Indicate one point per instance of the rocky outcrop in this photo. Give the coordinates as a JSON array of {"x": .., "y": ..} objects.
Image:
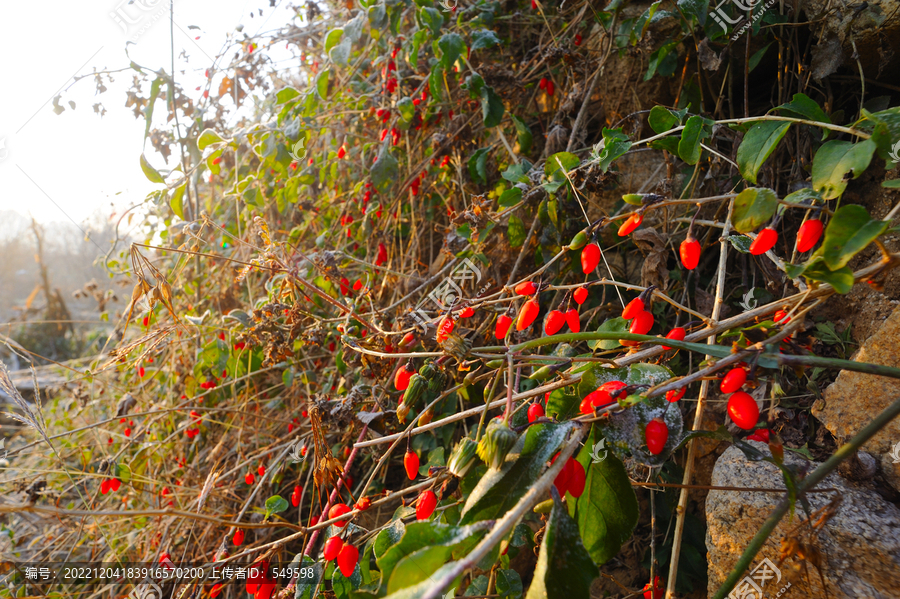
[{"x": 859, "y": 546}]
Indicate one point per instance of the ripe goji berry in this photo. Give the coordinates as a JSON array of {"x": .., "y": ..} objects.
[
  {"x": 689, "y": 250},
  {"x": 764, "y": 242},
  {"x": 590, "y": 257},
  {"x": 411, "y": 464},
  {"x": 503, "y": 322},
  {"x": 535, "y": 411},
  {"x": 425, "y": 504},
  {"x": 809, "y": 234},
  {"x": 527, "y": 314},
  {"x": 733, "y": 381},
  {"x": 554, "y": 321},
  {"x": 743, "y": 410},
  {"x": 657, "y": 433},
  {"x": 347, "y": 559},
  {"x": 580, "y": 295}
]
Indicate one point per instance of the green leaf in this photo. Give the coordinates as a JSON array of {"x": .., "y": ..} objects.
[
  {"x": 615, "y": 144},
  {"x": 561, "y": 160},
  {"x": 740, "y": 242},
  {"x": 176, "y": 202},
  {"x": 662, "y": 60},
  {"x": 802, "y": 195},
  {"x": 662, "y": 119},
  {"x": 275, "y": 505},
  {"x": 758, "y": 144},
  {"x": 433, "y": 19},
  {"x": 757, "y": 56},
  {"x": 841, "y": 279},
  {"x": 510, "y": 197},
  {"x": 286, "y": 95},
  {"x": 377, "y": 15},
  {"x": 886, "y": 132},
  {"x": 804, "y": 107},
  {"x": 515, "y": 231},
  {"x": 148, "y": 112},
  {"x": 322, "y": 83},
  {"x": 478, "y": 165},
  {"x": 435, "y": 81},
  {"x": 837, "y": 159},
  {"x": 607, "y": 511},
  {"x": 849, "y": 232},
  {"x": 613, "y": 325},
  {"x": 694, "y": 8},
  {"x": 340, "y": 54},
  {"x": 562, "y": 405},
  {"x": 564, "y": 568},
  {"x": 892, "y": 184},
  {"x": 484, "y": 38},
  {"x": 499, "y": 490},
  {"x": 523, "y": 134},
  {"x": 753, "y": 207},
  {"x": 407, "y": 109},
  {"x": 385, "y": 170},
  {"x": 695, "y": 131},
  {"x": 509, "y": 584},
  {"x": 625, "y": 430},
  {"x": 451, "y": 45},
  {"x": 151, "y": 173},
  {"x": 517, "y": 173},
  {"x": 491, "y": 107},
  {"x": 333, "y": 39}
]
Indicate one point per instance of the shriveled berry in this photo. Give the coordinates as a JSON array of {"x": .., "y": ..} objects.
[
  {"x": 689, "y": 250},
  {"x": 238, "y": 537},
  {"x": 337, "y": 511},
  {"x": 764, "y": 242},
  {"x": 631, "y": 223},
  {"x": 809, "y": 234},
  {"x": 554, "y": 322},
  {"x": 411, "y": 464},
  {"x": 332, "y": 548},
  {"x": 733, "y": 381},
  {"x": 634, "y": 307},
  {"x": 580, "y": 295},
  {"x": 347, "y": 559},
  {"x": 642, "y": 323},
  {"x": 527, "y": 314},
  {"x": 526, "y": 288},
  {"x": 425, "y": 504},
  {"x": 676, "y": 334},
  {"x": 657, "y": 434},
  {"x": 573, "y": 319},
  {"x": 401, "y": 379},
  {"x": 535, "y": 411},
  {"x": 743, "y": 410},
  {"x": 590, "y": 258}
]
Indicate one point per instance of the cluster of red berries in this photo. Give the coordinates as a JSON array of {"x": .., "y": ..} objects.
[
  {"x": 109, "y": 485},
  {"x": 381, "y": 257},
  {"x": 295, "y": 496},
  {"x": 742, "y": 407},
  {"x": 547, "y": 85},
  {"x": 346, "y": 554},
  {"x": 390, "y": 83},
  {"x": 128, "y": 428},
  {"x": 641, "y": 319}
]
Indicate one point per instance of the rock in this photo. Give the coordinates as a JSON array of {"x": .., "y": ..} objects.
[
  {"x": 859, "y": 546},
  {"x": 855, "y": 398}
]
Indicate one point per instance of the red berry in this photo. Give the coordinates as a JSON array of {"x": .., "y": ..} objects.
[
  {"x": 503, "y": 322},
  {"x": 634, "y": 307},
  {"x": 104, "y": 486},
  {"x": 733, "y": 381},
  {"x": 345, "y": 286},
  {"x": 809, "y": 234},
  {"x": 781, "y": 315},
  {"x": 577, "y": 39},
  {"x": 347, "y": 559},
  {"x": 590, "y": 257},
  {"x": 527, "y": 314},
  {"x": 743, "y": 410},
  {"x": 411, "y": 464},
  {"x": 690, "y": 253},
  {"x": 631, "y": 223},
  {"x": 554, "y": 322},
  {"x": 127, "y": 432},
  {"x": 114, "y": 484},
  {"x": 573, "y": 320},
  {"x": 602, "y": 396},
  {"x": 580, "y": 295},
  {"x": 425, "y": 504},
  {"x": 249, "y": 478},
  {"x": 337, "y": 511},
  {"x": 295, "y": 496},
  {"x": 562, "y": 479},
  {"x": 467, "y": 312},
  {"x": 677, "y": 334},
  {"x": 543, "y": 82},
  {"x": 363, "y": 504},
  {"x": 675, "y": 394},
  {"x": 535, "y": 411},
  {"x": 642, "y": 323},
  {"x": 332, "y": 548},
  {"x": 401, "y": 379},
  {"x": 141, "y": 372},
  {"x": 341, "y": 152},
  {"x": 261, "y": 470},
  {"x": 657, "y": 592},
  {"x": 657, "y": 434},
  {"x": 761, "y": 434},
  {"x": 382, "y": 255},
  {"x": 764, "y": 242},
  {"x": 238, "y": 537},
  {"x": 577, "y": 477},
  {"x": 551, "y": 87},
  {"x": 526, "y": 288},
  {"x": 586, "y": 407},
  {"x": 444, "y": 329}
]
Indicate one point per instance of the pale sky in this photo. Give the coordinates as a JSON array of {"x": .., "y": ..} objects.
[{"x": 81, "y": 161}]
